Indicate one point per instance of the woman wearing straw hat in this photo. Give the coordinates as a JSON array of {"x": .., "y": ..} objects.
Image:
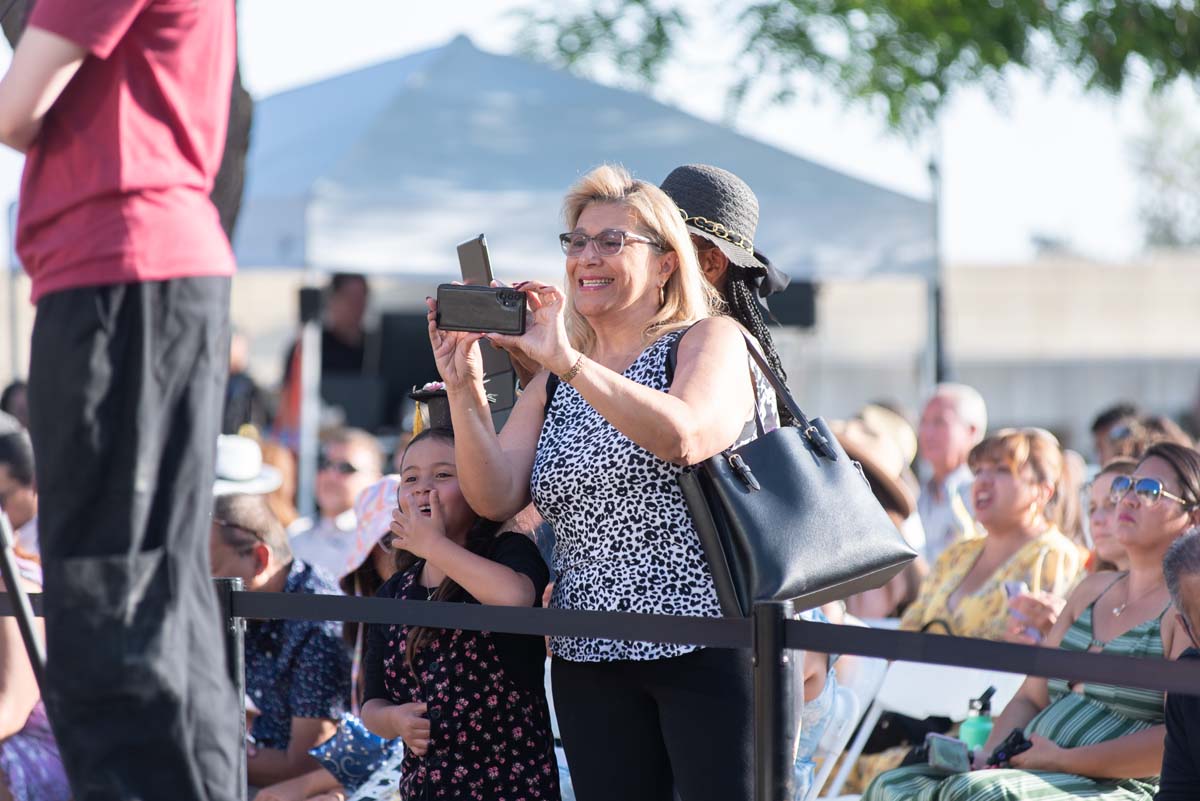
[{"x": 721, "y": 214}]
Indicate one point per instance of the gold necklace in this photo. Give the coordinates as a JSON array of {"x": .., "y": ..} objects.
[{"x": 1117, "y": 610}]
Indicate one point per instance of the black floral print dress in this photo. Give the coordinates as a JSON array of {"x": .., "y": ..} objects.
[{"x": 490, "y": 737}]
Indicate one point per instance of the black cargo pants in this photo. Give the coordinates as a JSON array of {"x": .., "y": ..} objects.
[{"x": 125, "y": 393}]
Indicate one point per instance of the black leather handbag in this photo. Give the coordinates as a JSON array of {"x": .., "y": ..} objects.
[{"x": 789, "y": 516}]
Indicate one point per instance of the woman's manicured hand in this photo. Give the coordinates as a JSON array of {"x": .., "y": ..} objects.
[
  {"x": 456, "y": 353},
  {"x": 545, "y": 339}
]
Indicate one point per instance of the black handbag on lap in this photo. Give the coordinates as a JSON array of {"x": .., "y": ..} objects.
[{"x": 789, "y": 516}]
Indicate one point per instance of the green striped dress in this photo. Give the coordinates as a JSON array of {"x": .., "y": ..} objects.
[{"x": 1101, "y": 712}]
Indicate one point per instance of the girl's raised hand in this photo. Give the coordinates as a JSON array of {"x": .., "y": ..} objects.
[
  {"x": 456, "y": 353},
  {"x": 415, "y": 531}
]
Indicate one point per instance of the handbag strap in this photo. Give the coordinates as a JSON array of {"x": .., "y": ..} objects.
[
  {"x": 551, "y": 387},
  {"x": 811, "y": 432},
  {"x": 673, "y": 358}
]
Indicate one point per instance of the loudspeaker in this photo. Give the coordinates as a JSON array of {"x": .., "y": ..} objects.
[
  {"x": 405, "y": 359},
  {"x": 406, "y": 362},
  {"x": 796, "y": 305}
]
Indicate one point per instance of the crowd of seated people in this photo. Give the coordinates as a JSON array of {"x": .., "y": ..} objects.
[
  {"x": 327, "y": 716},
  {"x": 1016, "y": 542},
  {"x": 322, "y": 721}
]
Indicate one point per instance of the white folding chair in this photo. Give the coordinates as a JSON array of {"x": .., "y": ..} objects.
[
  {"x": 921, "y": 691},
  {"x": 846, "y": 710},
  {"x": 866, "y": 682}
]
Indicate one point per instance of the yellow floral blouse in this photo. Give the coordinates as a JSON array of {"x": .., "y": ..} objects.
[{"x": 1049, "y": 563}]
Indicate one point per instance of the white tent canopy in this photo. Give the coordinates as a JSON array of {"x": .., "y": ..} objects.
[{"x": 385, "y": 169}]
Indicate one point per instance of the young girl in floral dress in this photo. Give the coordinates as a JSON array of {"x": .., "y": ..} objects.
[{"x": 469, "y": 706}]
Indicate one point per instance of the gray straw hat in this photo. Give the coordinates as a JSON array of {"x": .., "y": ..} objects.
[{"x": 720, "y": 207}]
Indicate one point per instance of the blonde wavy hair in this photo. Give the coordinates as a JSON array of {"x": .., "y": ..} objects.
[{"x": 687, "y": 296}]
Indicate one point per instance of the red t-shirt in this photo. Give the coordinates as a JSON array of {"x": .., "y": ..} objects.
[{"x": 116, "y": 184}]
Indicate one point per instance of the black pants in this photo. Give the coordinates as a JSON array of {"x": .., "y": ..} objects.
[
  {"x": 637, "y": 730},
  {"x": 125, "y": 394}
]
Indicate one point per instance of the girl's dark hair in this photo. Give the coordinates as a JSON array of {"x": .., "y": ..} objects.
[
  {"x": 1185, "y": 463},
  {"x": 480, "y": 537},
  {"x": 364, "y": 582},
  {"x": 743, "y": 307}
]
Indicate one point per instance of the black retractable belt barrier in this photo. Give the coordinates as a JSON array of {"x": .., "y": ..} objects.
[
  {"x": 1029, "y": 660},
  {"x": 1128, "y": 671},
  {"x": 768, "y": 633},
  {"x": 707, "y": 631},
  {"x": 8, "y": 607}
]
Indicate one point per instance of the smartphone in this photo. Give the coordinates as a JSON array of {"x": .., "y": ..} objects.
[
  {"x": 476, "y": 268},
  {"x": 481, "y": 309},
  {"x": 474, "y": 262},
  {"x": 1015, "y": 743},
  {"x": 947, "y": 754}
]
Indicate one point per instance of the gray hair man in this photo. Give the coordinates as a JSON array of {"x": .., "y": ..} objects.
[
  {"x": 1181, "y": 758},
  {"x": 953, "y": 422}
]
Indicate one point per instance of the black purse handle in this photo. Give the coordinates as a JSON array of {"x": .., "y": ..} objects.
[{"x": 811, "y": 432}]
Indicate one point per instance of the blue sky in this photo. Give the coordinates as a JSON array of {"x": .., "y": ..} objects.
[{"x": 1050, "y": 161}]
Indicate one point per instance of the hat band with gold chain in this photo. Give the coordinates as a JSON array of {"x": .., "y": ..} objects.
[{"x": 719, "y": 230}]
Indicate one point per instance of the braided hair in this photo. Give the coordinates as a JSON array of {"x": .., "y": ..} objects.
[{"x": 742, "y": 306}]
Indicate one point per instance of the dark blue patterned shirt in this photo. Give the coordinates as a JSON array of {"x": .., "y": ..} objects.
[{"x": 296, "y": 668}]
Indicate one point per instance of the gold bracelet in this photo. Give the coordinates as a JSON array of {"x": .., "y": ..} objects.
[{"x": 574, "y": 371}]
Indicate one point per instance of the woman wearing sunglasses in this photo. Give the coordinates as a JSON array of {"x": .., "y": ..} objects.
[
  {"x": 597, "y": 441},
  {"x": 1090, "y": 740},
  {"x": 1032, "y": 614}
]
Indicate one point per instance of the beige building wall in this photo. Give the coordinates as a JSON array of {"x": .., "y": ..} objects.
[{"x": 1048, "y": 342}]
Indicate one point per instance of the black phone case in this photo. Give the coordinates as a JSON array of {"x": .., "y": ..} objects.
[{"x": 480, "y": 309}]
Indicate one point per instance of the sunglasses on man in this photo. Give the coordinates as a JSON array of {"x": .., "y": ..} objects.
[
  {"x": 325, "y": 463},
  {"x": 1148, "y": 490}
]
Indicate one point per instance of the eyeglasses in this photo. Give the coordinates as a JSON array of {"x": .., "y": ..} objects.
[
  {"x": 345, "y": 468},
  {"x": 1148, "y": 490},
  {"x": 609, "y": 242}
]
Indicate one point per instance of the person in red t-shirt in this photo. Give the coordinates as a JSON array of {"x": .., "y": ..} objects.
[{"x": 121, "y": 108}]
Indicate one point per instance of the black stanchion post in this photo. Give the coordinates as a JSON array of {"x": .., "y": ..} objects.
[
  {"x": 234, "y": 631},
  {"x": 774, "y": 704}
]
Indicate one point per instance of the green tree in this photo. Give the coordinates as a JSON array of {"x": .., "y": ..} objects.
[
  {"x": 1166, "y": 159},
  {"x": 908, "y": 55}
]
